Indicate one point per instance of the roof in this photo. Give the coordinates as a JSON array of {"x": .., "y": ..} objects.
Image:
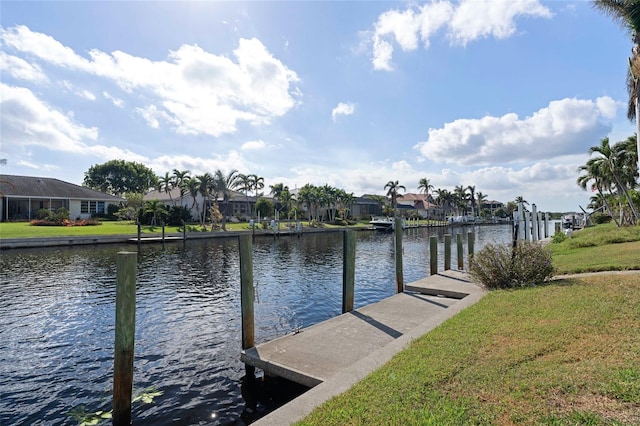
[
  {"x": 412, "y": 197},
  {"x": 42, "y": 187}
]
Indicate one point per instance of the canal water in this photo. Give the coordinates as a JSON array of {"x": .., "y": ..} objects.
[{"x": 57, "y": 316}]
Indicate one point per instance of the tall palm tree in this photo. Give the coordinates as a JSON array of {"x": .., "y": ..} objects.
[
  {"x": 424, "y": 185},
  {"x": 520, "y": 199},
  {"x": 393, "y": 187},
  {"x": 225, "y": 184},
  {"x": 461, "y": 197},
  {"x": 480, "y": 198},
  {"x": 596, "y": 174},
  {"x": 472, "y": 198},
  {"x": 244, "y": 185},
  {"x": 179, "y": 179},
  {"x": 627, "y": 13},
  {"x": 614, "y": 166},
  {"x": 165, "y": 184},
  {"x": 205, "y": 186}
]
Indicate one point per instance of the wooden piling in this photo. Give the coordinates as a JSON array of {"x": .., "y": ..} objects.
[
  {"x": 126, "y": 266},
  {"x": 433, "y": 255},
  {"x": 459, "y": 251},
  {"x": 348, "y": 270},
  {"x": 398, "y": 247},
  {"x": 447, "y": 252},
  {"x": 471, "y": 239},
  {"x": 246, "y": 290}
]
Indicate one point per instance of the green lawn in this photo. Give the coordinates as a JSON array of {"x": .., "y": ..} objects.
[
  {"x": 565, "y": 353},
  {"x": 599, "y": 248},
  {"x": 560, "y": 354}
]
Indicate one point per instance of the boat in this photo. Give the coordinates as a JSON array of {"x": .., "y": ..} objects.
[{"x": 382, "y": 223}]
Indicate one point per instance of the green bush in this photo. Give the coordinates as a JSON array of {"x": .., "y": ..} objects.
[
  {"x": 558, "y": 237},
  {"x": 599, "y": 218},
  {"x": 501, "y": 266},
  {"x": 44, "y": 214}
]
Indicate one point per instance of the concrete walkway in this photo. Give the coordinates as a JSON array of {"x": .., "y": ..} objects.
[{"x": 334, "y": 355}]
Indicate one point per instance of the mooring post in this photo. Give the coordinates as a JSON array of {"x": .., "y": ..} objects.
[
  {"x": 246, "y": 290},
  {"x": 184, "y": 233},
  {"x": 546, "y": 224},
  {"x": 527, "y": 226},
  {"x": 459, "y": 251},
  {"x": 126, "y": 269},
  {"x": 447, "y": 252},
  {"x": 433, "y": 255},
  {"x": 398, "y": 246},
  {"x": 348, "y": 270},
  {"x": 471, "y": 239},
  {"x": 139, "y": 232},
  {"x": 534, "y": 223}
]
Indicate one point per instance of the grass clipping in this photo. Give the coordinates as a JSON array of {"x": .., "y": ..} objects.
[{"x": 566, "y": 353}]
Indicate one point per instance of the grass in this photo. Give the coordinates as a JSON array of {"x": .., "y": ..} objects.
[
  {"x": 598, "y": 248},
  {"x": 561, "y": 354},
  {"x": 566, "y": 353}
]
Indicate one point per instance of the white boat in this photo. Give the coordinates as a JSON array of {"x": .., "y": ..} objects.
[{"x": 382, "y": 223}]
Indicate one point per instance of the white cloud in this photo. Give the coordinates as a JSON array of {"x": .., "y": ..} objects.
[
  {"x": 342, "y": 109},
  {"x": 565, "y": 127},
  {"x": 87, "y": 95},
  {"x": 197, "y": 92},
  {"x": 253, "y": 145},
  {"x": 27, "y": 121},
  {"x": 116, "y": 101},
  {"x": 21, "y": 69},
  {"x": 465, "y": 21},
  {"x": 474, "y": 19}
]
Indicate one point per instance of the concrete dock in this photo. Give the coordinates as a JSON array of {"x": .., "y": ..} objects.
[{"x": 333, "y": 355}]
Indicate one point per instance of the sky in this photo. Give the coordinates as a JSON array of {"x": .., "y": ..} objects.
[{"x": 503, "y": 95}]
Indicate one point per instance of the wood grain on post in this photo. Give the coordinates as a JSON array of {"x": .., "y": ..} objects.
[
  {"x": 447, "y": 252},
  {"x": 246, "y": 291},
  {"x": 460, "y": 253},
  {"x": 126, "y": 265},
  {"x": 398, "y": 246},
  {"x": 348, "y": 270},
  {"x": 433, "y": 254}
]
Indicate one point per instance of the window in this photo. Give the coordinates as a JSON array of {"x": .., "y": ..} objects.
[{"x": 91, "y": 207}]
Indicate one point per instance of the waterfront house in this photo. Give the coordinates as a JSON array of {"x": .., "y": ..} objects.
[
  {"x": 425, "y": 208},
  {"x": 22, "y": 196}
]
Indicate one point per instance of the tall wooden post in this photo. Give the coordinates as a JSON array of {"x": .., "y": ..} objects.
[
  {"x": 534, "y": 223},
  {"x": 459, "y": 251},
  {"x": 433, "y": 255},
  {"x": 471, "y": 239},
  {"x": 246, "y": 291},
  {"x": 447, "y": 252},
  {"x": 348, "y": 270},
  {"x": 126, "y": 266},
  {"x": 398, "y": 246}
]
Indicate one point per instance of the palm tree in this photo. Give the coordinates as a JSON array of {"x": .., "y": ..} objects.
[
  {"x": 424, "y": 185},
  {"x": 480, "y": 198},
  {"x": 179, "y": 179},
  {"x": 520, "y": 199},
  {"x": 393, "y": 187},
  {"x": 594, "y": 172},
  {"x": 472, "y": 198},
  {"x": 627, "y": 13},
  {"x": 276, "y": 189},
  {"x": 205, "y": 188},
  {"x": 156, "y": 208},
  {"x": 460, "y": 198},
  {"x": 165, "y": 184},
  {"x": 225, "y": 184},
  {"x": 244, "y": 185},
  {"x": 192, "y": 186},
  {"x": 614, "y": 161}
]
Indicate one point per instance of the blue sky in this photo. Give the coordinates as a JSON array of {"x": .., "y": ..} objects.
[{"x": 506, "y": 96}]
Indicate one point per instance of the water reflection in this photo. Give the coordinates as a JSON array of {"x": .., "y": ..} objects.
[{"x": 57, "y": 318}]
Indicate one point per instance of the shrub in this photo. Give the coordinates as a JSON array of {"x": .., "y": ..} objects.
[
  {"x": 558, "y": 237},
  {"x": 599, "y": 218},
  {"x": 44, "y": 214},
  {"x": 501, "y": 266}
]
